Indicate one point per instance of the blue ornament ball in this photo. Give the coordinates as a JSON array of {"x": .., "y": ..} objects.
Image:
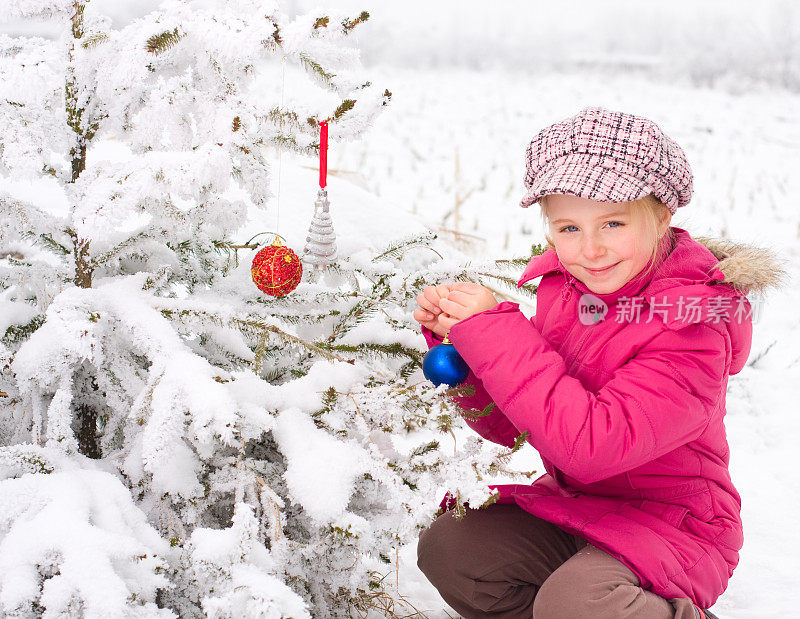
[{"x": 443, "y": 364}]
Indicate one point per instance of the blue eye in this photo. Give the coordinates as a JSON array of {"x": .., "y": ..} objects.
[{"x": 619, "y": 224}]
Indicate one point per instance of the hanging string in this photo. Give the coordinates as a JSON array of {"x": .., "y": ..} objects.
[
  {"x": 323, "y": 154},
  {"x": 280, "y": 153}
]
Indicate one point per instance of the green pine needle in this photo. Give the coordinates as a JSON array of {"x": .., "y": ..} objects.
[
  {"x": 349, "y": 24},
  {"x": 47, "y": 242},
  {"x": 93, "y": 40},
  {"x": 396, "y": 249},
  {"x": 17, "y": 333},
  {"x": 421, "y": 450},
  {"x": 159, "y": 43},
  {"x": 473, "y": 414},
  {"x": 287, "y": 142},
  {"x": 344, "y": 107},
  {"x": 312, "y": 66},
  {"x": 521, "y": 440},
  {"x": 491, "y": 500}
]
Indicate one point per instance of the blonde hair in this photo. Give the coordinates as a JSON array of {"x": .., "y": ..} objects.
[{"x": 647, "y": 212}]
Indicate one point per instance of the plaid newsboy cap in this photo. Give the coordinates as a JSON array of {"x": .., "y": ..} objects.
[{"x": 607, "y": 156}]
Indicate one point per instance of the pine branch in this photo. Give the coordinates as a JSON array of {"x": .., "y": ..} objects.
[
  {"x": 30, "y": 222},
  {"x": 329, "y": 399},
  {"x": 289, "y": 143},
  {"x": 491, "y": 500},
  {"x": 17, "y": 333},
  {"x": 521, "y": 440},
  {"x": 357, "y": 314},
  {"x": 465, "y": 390},
  {"x": 460, "y": 509},
  {"x": 511, "y": 284},
  {"x": 313, "y": 67},
  {"x": 260, "y": 353},
  {"x": 275, "y": 41},
  {"x": 349, "y": 24},
  {"x": 230, "y": 87},
  {"x": 421, "y": 450},
  {"x": 120, "y": 247},
  {"x": 512, "y": 263},
  {"x": 398, "y": 246},
  {"x": 473, "y": 414},
  {"x": 26, "y": 459},
  {"x": 94, "y": 40},
  {"x": 159, "y": 43},
  {"x": 502, "y": 459},
  {"x": 141, "y": 412},
  {"x": 408, "y": 369},
  {"x": 46, "y": 276},
  {"x": 387, "y": 350},
  {"x": 344, "y": 107},
  {"x": 77, "y": 19},
  {"x": 222, "y": 358},
  {"x": 46, "y": 241},
  {"x": 536, "y": 250},
  {"x": 296, "y": 319},
  {"x": 283, "y": 118},
  {"x": 257, "y": 326}
]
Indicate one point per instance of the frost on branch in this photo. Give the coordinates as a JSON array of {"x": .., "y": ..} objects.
[
  {"x": 236, "y": 574},
  {"x": 73, "y": 542}
]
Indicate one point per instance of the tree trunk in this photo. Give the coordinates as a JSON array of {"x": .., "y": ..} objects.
[
  {"x": 85, "y": 385},
  {"x": 88, "y": 403},
  {"x": 83, "y": 265},
  {"x": 88, "y": 444}
]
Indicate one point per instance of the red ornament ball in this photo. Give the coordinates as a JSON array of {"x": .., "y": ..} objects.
[{"x": 276, "y": 269}]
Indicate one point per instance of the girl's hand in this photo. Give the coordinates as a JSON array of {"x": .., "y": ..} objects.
[
  {"x": 446, "y": 305},
  {"x": 464, "y": 300},
  {"x": 430, "y": 314}
]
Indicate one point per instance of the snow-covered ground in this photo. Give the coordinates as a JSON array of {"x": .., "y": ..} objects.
[{"x": 459, "y": 135}]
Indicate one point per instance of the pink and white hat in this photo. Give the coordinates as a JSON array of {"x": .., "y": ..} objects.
[{"x": 607, "y": 156}]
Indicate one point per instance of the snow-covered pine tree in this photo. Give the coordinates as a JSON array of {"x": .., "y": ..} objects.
[{"x": 171, "y": 441}]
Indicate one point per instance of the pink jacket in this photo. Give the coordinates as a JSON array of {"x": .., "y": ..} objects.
[{"x": 627, "y": 415}]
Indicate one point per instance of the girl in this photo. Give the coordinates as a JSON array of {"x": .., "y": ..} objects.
[{"x": 620, "y": 381}]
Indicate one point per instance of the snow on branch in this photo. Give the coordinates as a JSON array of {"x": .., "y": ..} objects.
[
  {"x": 238, "y": 575},
  {"x": 74, "y": 543},
  {"x": 23, "y": 219},
  {"x": 10, "y": 9}
]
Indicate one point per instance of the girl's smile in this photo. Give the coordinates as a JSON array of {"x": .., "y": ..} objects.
[{"x": 601, "y": 272}]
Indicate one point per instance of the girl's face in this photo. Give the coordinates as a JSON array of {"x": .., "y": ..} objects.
[{"x": 597, "y": 242}]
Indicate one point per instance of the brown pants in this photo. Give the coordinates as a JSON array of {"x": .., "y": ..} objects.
[{"x": 502, "y": 561}]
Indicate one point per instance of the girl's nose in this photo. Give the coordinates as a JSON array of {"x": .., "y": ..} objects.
[{"x": 592, "y": 248}]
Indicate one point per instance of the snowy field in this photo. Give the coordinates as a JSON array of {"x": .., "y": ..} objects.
[{"x": 459, "y": 136}]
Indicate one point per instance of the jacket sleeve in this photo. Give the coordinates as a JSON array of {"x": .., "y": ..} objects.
[
  {"x": 659, "y": 399},
  {"x": 495, "y": 426}
]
